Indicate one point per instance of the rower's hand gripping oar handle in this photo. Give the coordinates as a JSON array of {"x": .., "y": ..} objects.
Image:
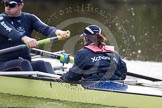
[
  {"x": 23, "y": 46},
  {"x": 52, "y": 39}
]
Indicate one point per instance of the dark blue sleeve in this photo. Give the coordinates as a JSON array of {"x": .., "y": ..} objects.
[
  {"x": 75, "y": 73},
  {"x": 121, "y": 67},
  {"x": 41, "y": 27},
  {"x": 7, "y": 30}
]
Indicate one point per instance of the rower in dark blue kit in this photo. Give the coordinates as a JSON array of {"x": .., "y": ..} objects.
[
  {"x": 96, "y": 60},
  {"x": 15, "y": 29}
]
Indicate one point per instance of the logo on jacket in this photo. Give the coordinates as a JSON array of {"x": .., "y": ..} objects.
[
  {"x": 98, "y": 58},
  {"x": 5, "y": 26},
  {"x": 20, "y": 29}
]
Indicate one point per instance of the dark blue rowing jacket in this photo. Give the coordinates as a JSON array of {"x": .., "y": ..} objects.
[
  {"x": 90, "y": 65},
  {"x": 12, "y": 29}
]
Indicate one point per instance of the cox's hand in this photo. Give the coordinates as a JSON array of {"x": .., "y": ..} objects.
[
  {"x": 30, "y": 42},
  {"x": 63, "y": 34}
]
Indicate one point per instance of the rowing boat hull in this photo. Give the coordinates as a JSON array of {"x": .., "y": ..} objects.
[{"x": 76, "y": 93}]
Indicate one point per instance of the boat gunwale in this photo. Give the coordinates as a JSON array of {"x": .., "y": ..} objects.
[{"x": 87, "y": 88}]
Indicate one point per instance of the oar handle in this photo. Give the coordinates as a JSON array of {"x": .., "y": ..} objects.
[
  {"x": 52, "y": 39},
  {"x": 44, "y": 41},
  {"x": 67, "y": 34},
  {"x": 143, "y": 77},
  {"x": 23, "y": 46},
  {"x": 63, "y": 57},
  {"x": 12, "y": 49}
]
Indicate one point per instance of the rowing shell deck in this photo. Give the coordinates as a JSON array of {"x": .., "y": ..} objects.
[{"x": 114, "y": 94}]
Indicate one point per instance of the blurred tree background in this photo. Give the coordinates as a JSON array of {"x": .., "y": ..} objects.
[{"x": 134, "y": 27}]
